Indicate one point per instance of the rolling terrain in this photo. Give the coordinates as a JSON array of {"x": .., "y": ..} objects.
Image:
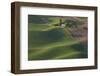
[{"x": 46, "y": 41}]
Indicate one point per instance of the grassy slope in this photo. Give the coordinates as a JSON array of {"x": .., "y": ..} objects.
[
  {"x": 52, "y": 44},
  {"x": 48, "y": 42}
]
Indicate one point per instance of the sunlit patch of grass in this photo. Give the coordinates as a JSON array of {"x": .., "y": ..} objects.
[{"x": 69, "y": 55}]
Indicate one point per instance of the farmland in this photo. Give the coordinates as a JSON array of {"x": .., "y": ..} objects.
[{"x": 47, "y": 41}]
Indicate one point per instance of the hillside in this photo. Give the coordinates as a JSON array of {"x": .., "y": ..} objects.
[{"x": 53, "y": 42}]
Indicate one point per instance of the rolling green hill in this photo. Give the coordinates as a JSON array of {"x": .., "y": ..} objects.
[{"x": 46, "y": 41}]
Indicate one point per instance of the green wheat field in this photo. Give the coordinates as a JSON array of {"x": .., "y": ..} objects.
[{"x": 53, "y": 37}]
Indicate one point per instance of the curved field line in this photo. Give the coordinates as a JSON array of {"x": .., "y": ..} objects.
[
  {"x": 66, "y": 55},
  {"x": 46, "y": 48}
]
